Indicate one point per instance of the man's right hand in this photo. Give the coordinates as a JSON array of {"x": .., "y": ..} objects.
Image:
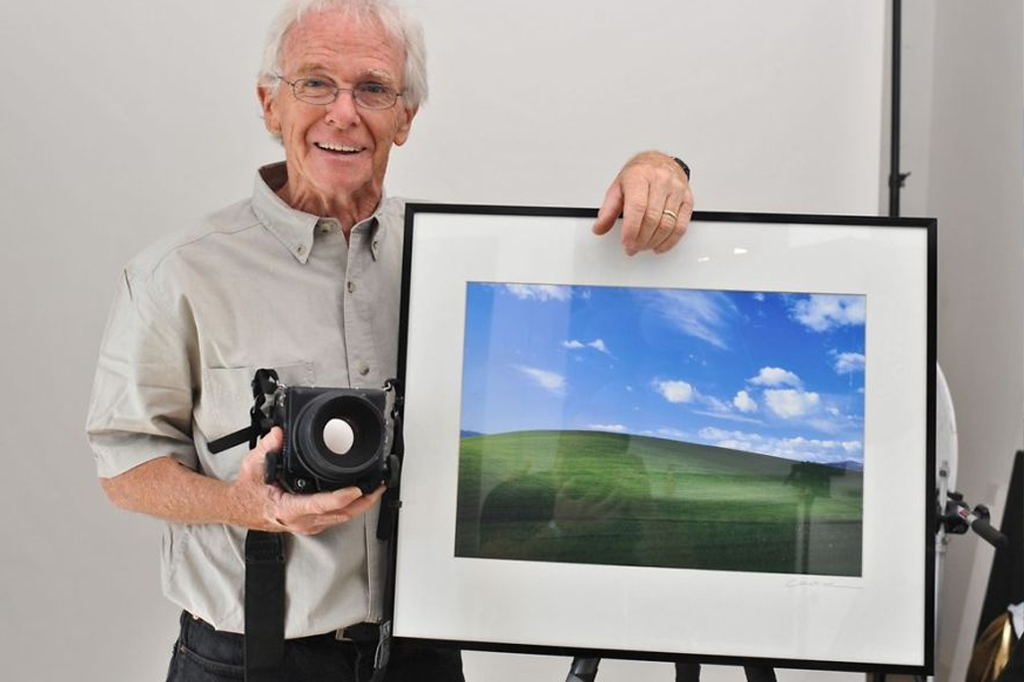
[
  {"x": 269, "y": 508},
  {"x": 166, "y": 489}
]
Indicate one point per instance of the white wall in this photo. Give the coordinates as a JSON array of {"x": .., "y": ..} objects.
[
  {"x": 121, "y": 121},
  {"x": 963, "y": 141},
  {"x": 778, "y": 104}
]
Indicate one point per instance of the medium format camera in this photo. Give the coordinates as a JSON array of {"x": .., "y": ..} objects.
[{"x": 333, "y": 437}]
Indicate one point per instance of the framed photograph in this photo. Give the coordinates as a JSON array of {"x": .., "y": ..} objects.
[{"x": 725, "y": 452}]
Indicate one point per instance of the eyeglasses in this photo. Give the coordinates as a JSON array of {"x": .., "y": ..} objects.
[{"x": 323, "y": 91}]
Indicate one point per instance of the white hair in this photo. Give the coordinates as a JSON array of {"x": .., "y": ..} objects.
[{"x": 398, "y": 26}]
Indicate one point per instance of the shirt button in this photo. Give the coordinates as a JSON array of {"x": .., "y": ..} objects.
[
  {"x": 351, "y": 286},
  {"x": 364, "y": 370},
  {"x": 300, "y": 249}
]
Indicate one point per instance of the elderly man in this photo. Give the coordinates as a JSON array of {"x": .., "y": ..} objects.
[{"x": 303, "y": 277}]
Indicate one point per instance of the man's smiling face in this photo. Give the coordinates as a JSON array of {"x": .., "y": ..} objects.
[{"x": 336, "y": 152}]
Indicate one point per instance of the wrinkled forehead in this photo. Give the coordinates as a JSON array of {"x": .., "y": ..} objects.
[{"x": 333, "y": 39}]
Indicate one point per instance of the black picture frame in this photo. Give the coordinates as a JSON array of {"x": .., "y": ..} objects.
[{"x": 879, "y": 621}]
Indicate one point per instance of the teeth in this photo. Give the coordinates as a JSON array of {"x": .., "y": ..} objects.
[{"x": 338, "y": 147}]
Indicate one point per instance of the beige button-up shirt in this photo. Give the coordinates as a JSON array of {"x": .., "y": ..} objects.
[{"x": 259, "y": 284}]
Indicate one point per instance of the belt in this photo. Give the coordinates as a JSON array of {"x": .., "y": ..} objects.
[{"x": 360, "y": 632}]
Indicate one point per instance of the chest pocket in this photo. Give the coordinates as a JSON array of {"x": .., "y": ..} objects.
[{"x": 226, "y": 396}]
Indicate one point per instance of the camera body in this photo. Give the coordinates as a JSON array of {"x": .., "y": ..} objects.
[{"x": 333, "y": 437}]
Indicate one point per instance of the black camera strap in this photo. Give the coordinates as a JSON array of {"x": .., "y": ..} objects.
[
  {"x": 264, "y": 385},
  {"x": 390, "y": 502},
  {"x": 264, "y": 607},
  {"x": 264, "y": 599},
  {"x": 387, "y": 524},
  {"x": 264, "y": 611}
]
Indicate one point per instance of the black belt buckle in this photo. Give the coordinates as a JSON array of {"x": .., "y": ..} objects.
[{"x": 362, "y": 632}]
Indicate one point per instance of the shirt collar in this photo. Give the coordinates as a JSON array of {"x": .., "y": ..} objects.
[{"x": 294, "y": 228}]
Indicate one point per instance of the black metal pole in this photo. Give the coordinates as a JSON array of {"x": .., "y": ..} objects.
[
  {"x": 895, "y": 177},
  {"x": 583, "y": 669}
]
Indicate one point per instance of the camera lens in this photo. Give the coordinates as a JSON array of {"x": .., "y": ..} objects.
[{"x": 339, "y": 436}]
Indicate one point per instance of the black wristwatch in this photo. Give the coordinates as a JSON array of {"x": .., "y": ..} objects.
[{"x": 682, "y": 164}]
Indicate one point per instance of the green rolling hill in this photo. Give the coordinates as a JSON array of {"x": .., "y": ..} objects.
[{"x": 607, "y": 498}]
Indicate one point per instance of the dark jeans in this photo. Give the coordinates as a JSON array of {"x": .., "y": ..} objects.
[{"x": 203, "y": 654}]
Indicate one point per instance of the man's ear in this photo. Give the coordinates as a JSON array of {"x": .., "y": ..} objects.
[
  {"x": 266, "y": 96},
  {"x": 403, "y": 129}
]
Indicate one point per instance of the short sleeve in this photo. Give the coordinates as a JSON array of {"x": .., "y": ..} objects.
[{"x": 141, "y": 405}]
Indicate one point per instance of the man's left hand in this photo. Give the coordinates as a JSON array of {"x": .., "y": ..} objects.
[{"x": 652, "y": 193}]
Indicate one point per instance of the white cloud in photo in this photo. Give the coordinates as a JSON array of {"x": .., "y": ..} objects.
[
  {"x": 736, "y": 440},
  {"x": 675, "y": 391},
  {"x": 832, "y": 418},
  {"x": 703, "y": 315},
  {"x": 668, "y": 432},
  {"x": 848, "y": 363},
  {"x": 615, "y": 428},
  {"x": 775, "y": 376},
  {"x": 716, "y": 405},
  {"x": 789, "y": 403},
  {"x": 744, "y": 403},
  {"x": 759, "y": 297},
  {"x": 550, "y": 381},
  {"x": 822, "y": 312},
  {"x": 597, "y": 344},
  {"x": 825, "y": 425},
  {"x": 539, "y": 292},
  {"x": 797, "y": 448},
  {"x": 729, "y": 416}
]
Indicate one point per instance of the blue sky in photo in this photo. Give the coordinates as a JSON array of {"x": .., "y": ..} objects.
[{"x": 776, "y": 373}]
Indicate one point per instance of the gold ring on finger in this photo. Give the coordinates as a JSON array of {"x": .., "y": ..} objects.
[{"x": 674, "y": 215}]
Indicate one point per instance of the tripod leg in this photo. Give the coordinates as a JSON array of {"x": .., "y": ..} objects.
[
  {"x": 583, "y": 670},
  {"x": 687, "y": 671},
  {"x": 758, "y": 674}
]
